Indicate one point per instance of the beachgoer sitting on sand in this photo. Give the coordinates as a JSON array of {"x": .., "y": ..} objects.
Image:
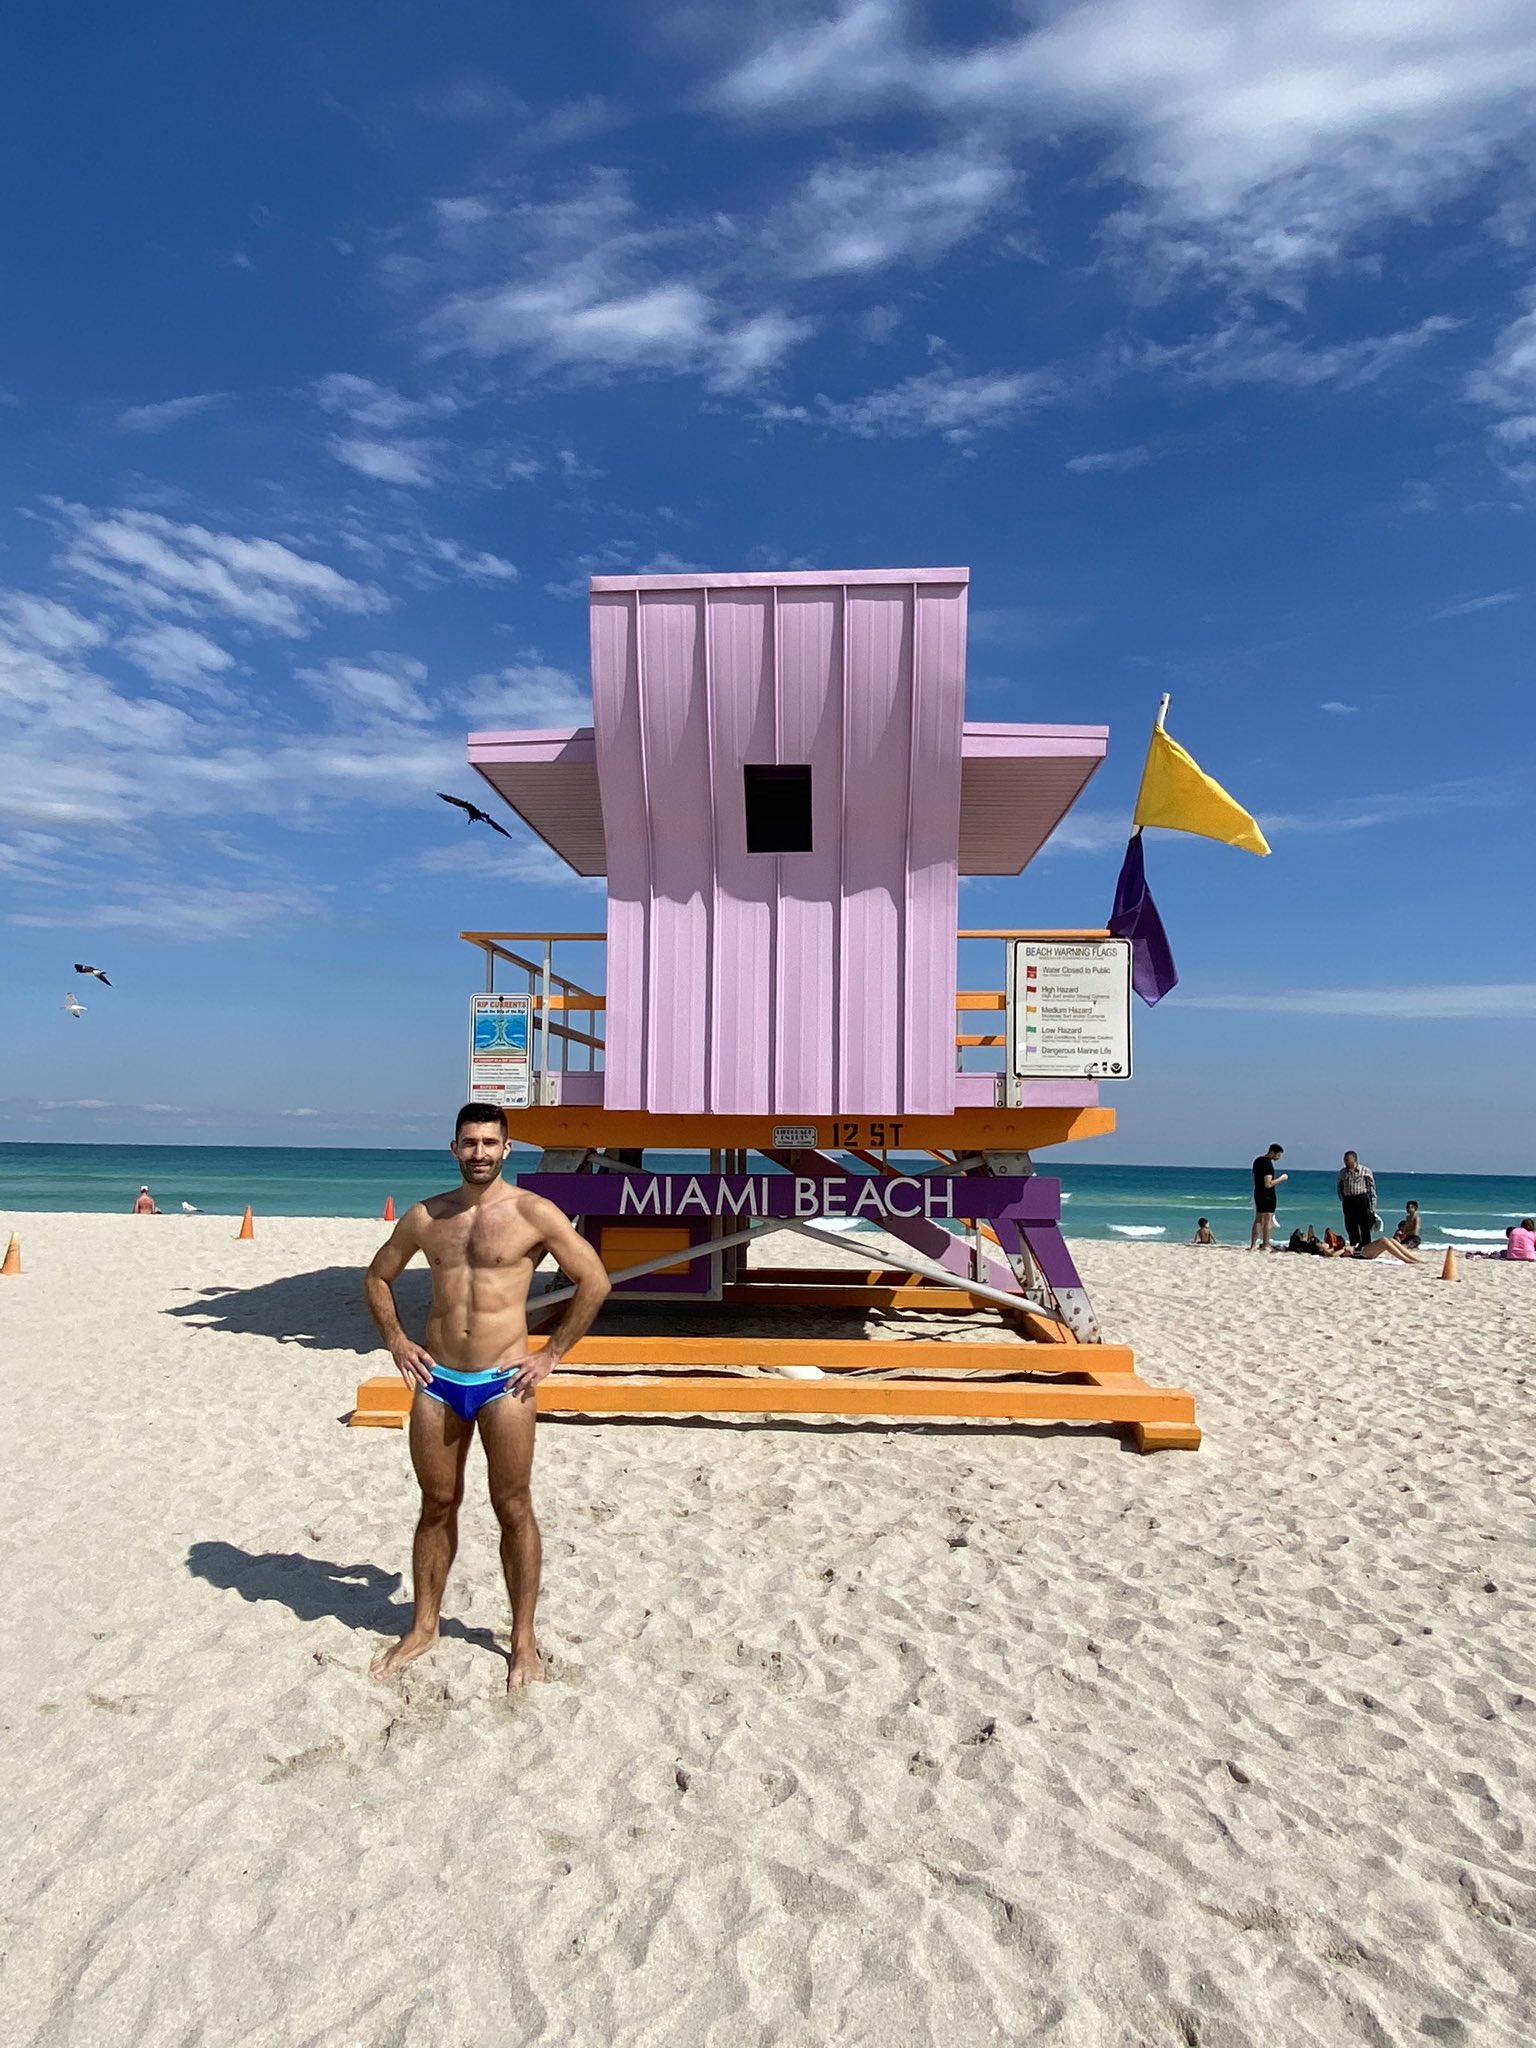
[
  {"x": 1203, "y": 1233},
  {"x": 1407, "y": 1232},
  {"x": 482, "y": 1241},
  {"x": 144, "y": 1204},
  {"x": 1382, "y": 1248},
  {"x": 1520, "y": 1242}
]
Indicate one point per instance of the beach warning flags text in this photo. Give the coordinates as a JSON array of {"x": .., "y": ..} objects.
[{"x": 1177, "y": 795}]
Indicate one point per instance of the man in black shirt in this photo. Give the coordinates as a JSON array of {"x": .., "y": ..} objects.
[{"x": 1265, "y": 1181}]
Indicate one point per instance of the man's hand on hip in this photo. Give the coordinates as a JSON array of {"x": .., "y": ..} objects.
[
  {"x": 413, "y": 1364},
  {"x": 527, "y": 1375}
]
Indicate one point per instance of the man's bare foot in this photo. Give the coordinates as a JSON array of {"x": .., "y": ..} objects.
[
  {"x": 527, "y": 1668},
  {"x": 406, "y": 1651}
]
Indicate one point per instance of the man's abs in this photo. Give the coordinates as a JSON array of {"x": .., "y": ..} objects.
[{"x": 478, "y": 1319}]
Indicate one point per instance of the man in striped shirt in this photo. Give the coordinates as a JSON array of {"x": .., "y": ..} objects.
[{"x": 1357, "y": 1198}]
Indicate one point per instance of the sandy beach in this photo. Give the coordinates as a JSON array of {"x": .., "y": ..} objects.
[{"x": 854, "y": 1734}]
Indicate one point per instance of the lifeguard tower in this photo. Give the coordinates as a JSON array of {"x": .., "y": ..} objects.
[{"x": 781, "y": 788}]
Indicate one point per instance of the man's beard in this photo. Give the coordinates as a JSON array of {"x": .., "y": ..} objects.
[{"x": 480, "y": 1171}]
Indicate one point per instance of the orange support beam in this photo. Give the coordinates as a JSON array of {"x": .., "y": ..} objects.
[
  {"x": 573, "y": 1126},
  {"x": 1163, "y": 1417}
]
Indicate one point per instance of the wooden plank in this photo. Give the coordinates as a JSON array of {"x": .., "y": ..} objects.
[
  {"x": 830, "y": 1295},
  {"x": 837, "y": 1276},
  {"x": 980, "y": 1038},
  {"x": 575, "y": 1126},
  {"x": 981, "y": 999},
  {"x": 484, "y": 938},
  {"x": 844, "y": 1354},
  {"x": 1015, "y": 1400},
  {"x": 1164, "y": 1416}
]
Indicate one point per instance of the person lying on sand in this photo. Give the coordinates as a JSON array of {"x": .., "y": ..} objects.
[{"x": 482, "y": 1241}]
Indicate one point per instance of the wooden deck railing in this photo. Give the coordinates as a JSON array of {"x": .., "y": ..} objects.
[{"x": 556, "y": 997}]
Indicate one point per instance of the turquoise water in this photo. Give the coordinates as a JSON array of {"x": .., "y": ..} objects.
[{"x": 1158, "y": 1203}]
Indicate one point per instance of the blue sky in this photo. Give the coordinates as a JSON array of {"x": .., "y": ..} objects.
[{"x": 343, "y": 344}]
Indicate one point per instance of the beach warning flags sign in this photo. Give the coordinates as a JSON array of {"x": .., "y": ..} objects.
[{"x": 1176, "y": 795}]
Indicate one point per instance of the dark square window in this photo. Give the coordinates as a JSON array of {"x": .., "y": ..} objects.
[{"x": 778, "y": 810}]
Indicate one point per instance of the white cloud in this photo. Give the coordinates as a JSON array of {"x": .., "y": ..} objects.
[
  {"x": 377, "y": 412},
  {"x": 175, "y": 654},
  {"x": 528, "y": 693},
  {"x": 87, "y": 758},
  {"x": 1427, "y": 1000},
  {"x": 1469, "y": 605},
  {"x": 583, "y": 286},
  {"x": 179, "y": 910},
  {"x": 153, "y": 563},
  {"x": 476, "y": 565},
  {"x": 1506, "y": 384},
  {"x": 858, "y": 215},
  {"x": 168, "y": 412},
  {"x": 1110, "y": 461},
  {"x": 44, "y": 624},
  {"x": 529, "y": 861},
  {"x": 387, "y": 686},
  {"x": 1338, "y": 710},
  {"x": 1244, "y": 352},
  {"x": 1254, "y": 139},
  {"x": 941, "y": 401},
  {"x": 379, "y": 408},
  {"x": 386, "y": 462}
]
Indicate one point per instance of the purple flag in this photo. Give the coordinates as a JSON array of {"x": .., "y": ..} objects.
[{"x": 1135, "y": 917}]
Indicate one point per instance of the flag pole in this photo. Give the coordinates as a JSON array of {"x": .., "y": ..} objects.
[{"x": 1162, "y": 713}]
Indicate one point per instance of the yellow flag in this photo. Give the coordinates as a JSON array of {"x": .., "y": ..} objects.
[{"x": 1178, "y": 795}]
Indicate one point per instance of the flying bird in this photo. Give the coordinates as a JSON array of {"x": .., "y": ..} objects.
[
  {"x": 75, "y": 1009},
  {"x": 473, "y": 815},
  {"x": 95, "y": 971}
]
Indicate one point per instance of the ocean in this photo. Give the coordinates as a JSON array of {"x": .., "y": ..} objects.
[{"x": 1157, "y": 1203}]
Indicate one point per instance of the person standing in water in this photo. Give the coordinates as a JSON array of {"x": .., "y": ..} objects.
[{"x": 482, "y": 1241}]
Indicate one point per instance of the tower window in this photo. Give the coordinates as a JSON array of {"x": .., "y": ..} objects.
[{"x": 778, "y": 809}]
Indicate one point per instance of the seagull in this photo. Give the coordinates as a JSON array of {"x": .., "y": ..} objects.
[
  {"x": 75, "y": 1009},
  {"x": 473, "y": 814},
  {"x": 188, "y": 1210},
  {"x": 96, "y": 971}
]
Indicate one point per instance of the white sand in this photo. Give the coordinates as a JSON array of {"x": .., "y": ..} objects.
[{"x": 857, "y": 1735}]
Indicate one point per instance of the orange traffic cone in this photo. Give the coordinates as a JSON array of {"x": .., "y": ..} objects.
[
  {"x": 1448, "y": 1270},
  {"x": 246, "y": 1228},
  {"x": 11, "y": 1264},
  {"x": 389, "y": 1208}
]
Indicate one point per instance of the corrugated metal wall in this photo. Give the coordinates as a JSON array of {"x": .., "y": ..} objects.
[{"x": 813, "y": 983}]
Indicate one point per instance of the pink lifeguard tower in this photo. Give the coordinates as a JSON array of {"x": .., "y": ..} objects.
[{"x": 782, "y": 791}]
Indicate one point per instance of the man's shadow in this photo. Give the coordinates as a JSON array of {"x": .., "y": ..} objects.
[
  {"x": 322, "y": 1310},
  {"x": 359, "y": 1595}
]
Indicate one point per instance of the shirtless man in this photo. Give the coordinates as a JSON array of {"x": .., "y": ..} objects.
[{"x": 482, "y": 1242}]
